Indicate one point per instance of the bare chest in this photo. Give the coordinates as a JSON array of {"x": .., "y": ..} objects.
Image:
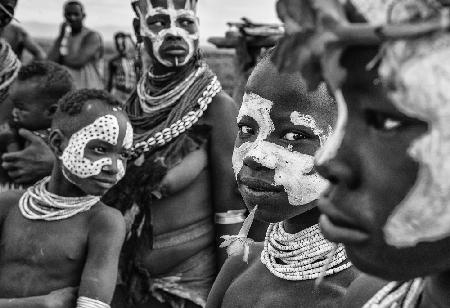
[
  {"x": 42, "y": 243},
  {"x": 257, "y": 287}
]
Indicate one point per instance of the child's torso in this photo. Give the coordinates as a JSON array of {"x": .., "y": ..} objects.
[{"x": 37, "y": 257}]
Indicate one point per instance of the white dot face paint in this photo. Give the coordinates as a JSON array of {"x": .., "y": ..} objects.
[
  {"x": 422, "y": 91},
  {"x": 176, "y": 17},
  {"x": 105, "y": 128},
  {"x": 293, "y": 170}
]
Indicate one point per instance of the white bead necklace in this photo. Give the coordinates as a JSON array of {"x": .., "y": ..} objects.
[
  {"x": 300, "y": 256},
  {"x": 37, "y": 203},
  {"x": 397, "y": 295}
]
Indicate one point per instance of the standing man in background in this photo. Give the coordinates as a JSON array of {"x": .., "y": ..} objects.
[{"x": 78, "y": 48}]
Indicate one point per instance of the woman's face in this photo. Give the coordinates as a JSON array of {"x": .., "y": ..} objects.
[
  {"x": 279, "y": 132},
  {"x": 371, "y": 173},
  {"x": 170, "y": 30}
]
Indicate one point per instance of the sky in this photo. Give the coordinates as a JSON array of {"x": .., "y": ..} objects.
[{"x": 41, "y": 18}]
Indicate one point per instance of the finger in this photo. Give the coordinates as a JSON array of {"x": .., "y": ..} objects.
[
  {"x": 16, "y": 174},
  {"x": 11, "y": 157},
  {"x": 9, "y": 166},
  {"x": 30, "y": 136}
]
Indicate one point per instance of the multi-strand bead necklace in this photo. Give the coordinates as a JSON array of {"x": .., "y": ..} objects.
[
  {"x": 301, "y": 256},
  {"x": 397, "y": 295},
  {"x": 37, "y": 203}
]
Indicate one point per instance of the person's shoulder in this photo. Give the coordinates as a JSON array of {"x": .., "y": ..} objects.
[
  {"x": 106, "y": 219},
  {"x": 361, "y": 290},
  {"x": 221, "y": 108}
]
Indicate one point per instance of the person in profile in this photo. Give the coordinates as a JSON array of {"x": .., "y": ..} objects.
[
  {"x": 122, "y": 77},
  {"x": 79, "y": 48}
]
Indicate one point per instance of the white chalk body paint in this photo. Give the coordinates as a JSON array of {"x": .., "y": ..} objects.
[
  {"x": 157, "y": 38},
  {"x": 291, "y": 168},
  {"x": 105, "y": 128},
  {"x": 422, "y": 91}
]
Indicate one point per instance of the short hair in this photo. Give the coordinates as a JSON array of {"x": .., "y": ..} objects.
[
  {"x": 74, "y": 2},
  {"x": 54, "y": 80},
  {"x": 69, "y": 116}
]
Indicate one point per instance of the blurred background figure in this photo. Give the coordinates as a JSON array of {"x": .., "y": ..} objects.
[
  {"x": 78, "y": 48},
  {"x": 122, "y": 68},
  {"x": 21, "y": 41}
]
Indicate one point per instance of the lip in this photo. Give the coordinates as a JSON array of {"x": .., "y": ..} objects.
[
  {"x": 177, "y": 50},
  {"x": 338, "y": 227},
  {"x": 106, "y": 183},
  {"x": 258, "y": 185}
]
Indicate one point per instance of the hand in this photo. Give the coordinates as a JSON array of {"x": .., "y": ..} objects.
[
  {"x": 62, "y": 30},
  {"x": 63, "y": 298},
  {"x": 32, "y": 163}
]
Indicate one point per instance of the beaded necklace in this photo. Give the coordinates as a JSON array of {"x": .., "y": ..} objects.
[
  {"x": 150, "y": 103},
  {"x": 397, "y": 295},
  {"x": 37, "y": 203},
  {"x": 166, "y": 135},
  {"x": 300, "y": 256}
]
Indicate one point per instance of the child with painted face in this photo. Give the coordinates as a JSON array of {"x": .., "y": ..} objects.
[
  {"x": 281, "y": 126},
  {"x": 58, "y": 233},
  {"x": 34, "y": 96},
  {"x": 388, "y": 160}
]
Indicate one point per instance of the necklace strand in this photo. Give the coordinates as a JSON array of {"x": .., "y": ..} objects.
[
  {"x": 397, "y": 295},
  {"x": 163, "y": 137},
  {"x": 300, "y": 256},
  {"x": 37, "y": 203}
]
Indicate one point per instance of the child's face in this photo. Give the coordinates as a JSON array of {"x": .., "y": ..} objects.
[
  {"x": 95, "y": 157},
  {"x": 372, "y": 172},
  {"x": 273, "y": 160},
  {"x": 29, "y": 110}
]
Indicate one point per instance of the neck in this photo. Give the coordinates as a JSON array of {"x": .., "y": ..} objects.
[
  {"x": 76, "y": 30},
  {"x": 436, "y": 292},
  {"x": 302, "y": 221},
  {"x": 60, "y": 186}
]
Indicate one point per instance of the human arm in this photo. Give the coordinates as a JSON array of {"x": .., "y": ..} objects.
[
  {"x": 105, "y": 239},
  {"x": 32, "y": 163},
  {"x": 32, "y": 47},
  {"x": 55, "y": 54},
  {"x": 63, "y": 298},
  {"x": 90, "y": 46},
  {"x": 221, "y": 114},
  {"x": 111, "y": 72}
]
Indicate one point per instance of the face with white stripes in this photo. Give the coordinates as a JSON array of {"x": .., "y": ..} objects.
[
  {"x": 169, "y": 29},
  {"x": 280, "y": 129}
]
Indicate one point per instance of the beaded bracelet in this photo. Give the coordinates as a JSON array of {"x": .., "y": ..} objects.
[{"x": 86, "y": 302}]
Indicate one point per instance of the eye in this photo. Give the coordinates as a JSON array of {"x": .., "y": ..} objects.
[
  {"x": 245, "y": 131},
  {"x": 383, "y": 121},
  {"x": 100, "y": 150},
  {"x": 294, "y": 136},
  {"x": 186, "y": 22}
]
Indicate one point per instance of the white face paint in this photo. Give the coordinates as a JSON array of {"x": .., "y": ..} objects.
[
  {"x": 105, "y": 128},
  {"x": 292, "y": 169},
  {"x": 174, "y": 15},
  {"x": 422, "y": 91}
]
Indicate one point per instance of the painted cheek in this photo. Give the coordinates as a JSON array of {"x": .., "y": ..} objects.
[{"x": 106, "y": 129}]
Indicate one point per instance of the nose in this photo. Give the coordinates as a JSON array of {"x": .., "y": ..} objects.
[
  {"x": 338, "y": 172},
  {"x": 111, "y": 169},
  {"x": 173, "y": 38},
  {"x": 251, "y": 163}
]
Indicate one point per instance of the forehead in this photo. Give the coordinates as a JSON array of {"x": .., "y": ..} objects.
[
  {"x": 148, "y": 5},
  {"x": 94, "y": 109},
  {"x": 288, "y": 93},
  {"x": 73, "y": 8}
]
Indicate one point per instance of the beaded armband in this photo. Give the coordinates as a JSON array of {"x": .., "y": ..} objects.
[
  {"x": 230, "y": 217},
  {"x": 86, "y": 302}
]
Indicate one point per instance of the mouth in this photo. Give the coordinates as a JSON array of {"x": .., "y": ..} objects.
[
  {"x": 105, "y": 183},
  {"x": 257, "y": 186},
  {"x": 338, "y": 227},
  {"x": 175, "y": 50}
]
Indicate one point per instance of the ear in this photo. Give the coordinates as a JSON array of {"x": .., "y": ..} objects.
[
  {"x": 56, "y": 141},
  {"x": 137, "y": 29},
  {"x": 50, "y": 112}
]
